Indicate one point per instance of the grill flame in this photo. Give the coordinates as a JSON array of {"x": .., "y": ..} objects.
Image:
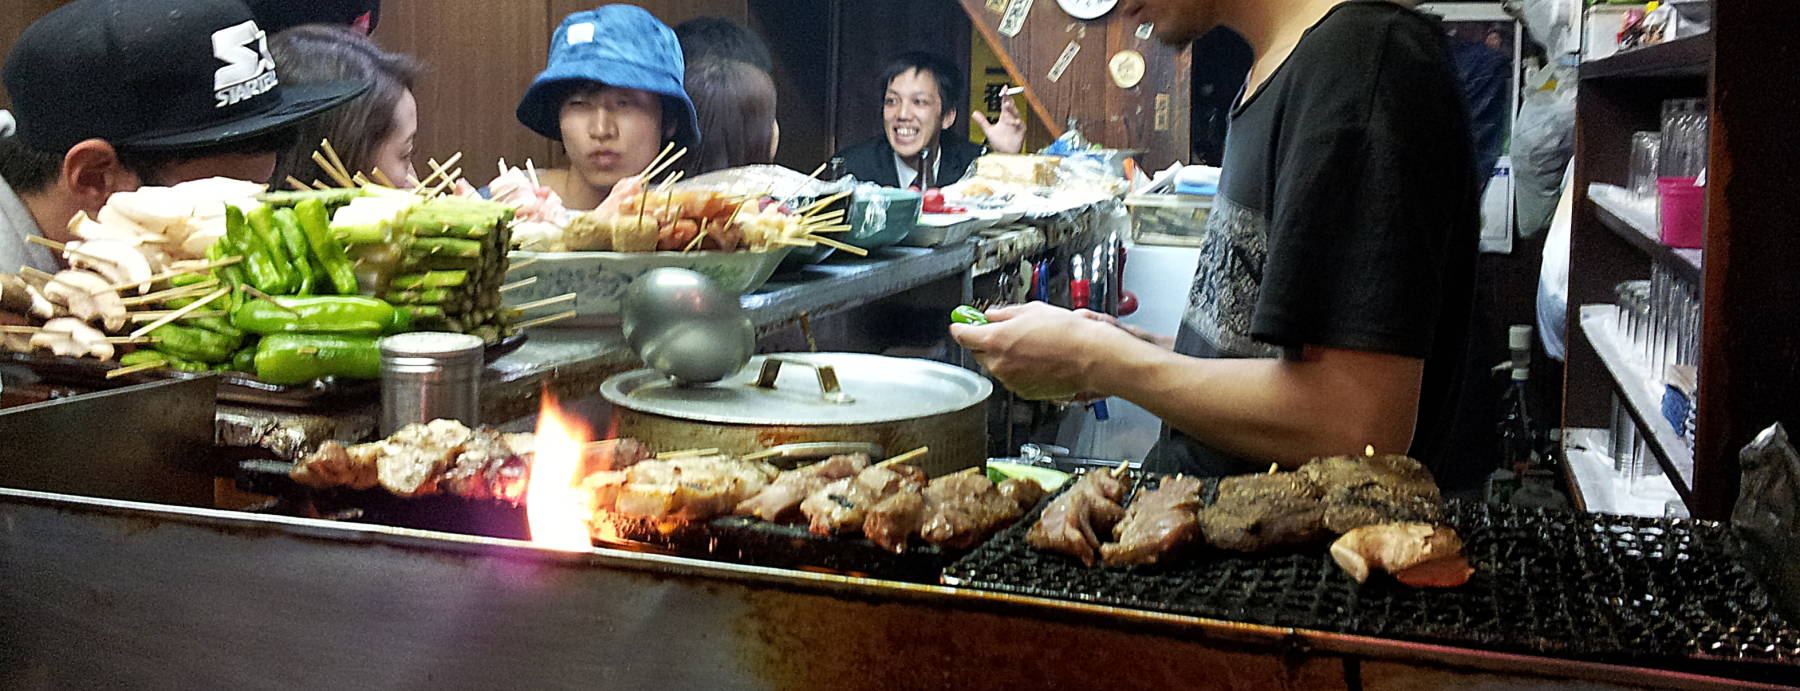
[{"x": 554, "y": 505}]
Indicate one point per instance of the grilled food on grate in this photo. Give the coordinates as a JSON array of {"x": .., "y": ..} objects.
[
  {"x": 842, "y": 505},
  {"x": 1072, "y": 523},
  {"x": 1254, "y": 513},
  {"x": 443, "y": 456},
  {"x": 780, "y": 501},
  {"x": 1417, "y": 554},
  {"x": 1159, "y": 522},
  {"x": 966, "y": 508},
  {"x": 681, "y": 489},
  {"x": 1366, "y": 490}
]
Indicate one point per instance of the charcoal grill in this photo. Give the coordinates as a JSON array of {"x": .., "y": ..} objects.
[{"x": 1617, "y": 589}]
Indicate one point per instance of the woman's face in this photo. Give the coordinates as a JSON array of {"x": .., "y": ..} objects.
[
  {"x": 611, "y": 133},
  {"x": 394, "y": 154}
]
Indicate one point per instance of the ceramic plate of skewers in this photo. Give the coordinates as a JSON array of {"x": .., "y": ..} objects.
[
  {"x": 737, "y": 239},
  {"x": 285, "y": 294}
]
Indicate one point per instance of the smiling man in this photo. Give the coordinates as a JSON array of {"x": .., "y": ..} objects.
[
  {"x": 613, "y": 95},
  {"x": 917, "y": 110},
  {"x": 1330, "y": 307}
]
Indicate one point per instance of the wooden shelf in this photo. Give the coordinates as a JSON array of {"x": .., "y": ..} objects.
[
  {"x": 1640, "y": 395},
  {"x": 1597, "y": 487},
  {"x": 1628, "y": 221},
  {"x": 1685, "y": 57}
]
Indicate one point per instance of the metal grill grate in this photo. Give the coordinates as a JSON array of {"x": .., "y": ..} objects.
[{"x": 1610, "y": 588}]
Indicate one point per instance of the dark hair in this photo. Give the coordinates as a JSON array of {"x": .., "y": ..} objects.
[
  {"x": 718, "y": 38},
  {"x": 674, "y": 112},
  {"x": 29, "y": 170},
  {"x": 949, "y": 79},
  {"x": 325, "y": 53},
  {"x": 736, "y": 103}
]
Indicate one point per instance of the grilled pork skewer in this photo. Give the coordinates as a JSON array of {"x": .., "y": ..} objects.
[
  {"x": 1159, "y": 522},
  {"x": 1071, "y": 524},
  {"x": 780, "y": 501},
  {"x": 842, "y": 505},
  {"x": 965, "y": 509}
]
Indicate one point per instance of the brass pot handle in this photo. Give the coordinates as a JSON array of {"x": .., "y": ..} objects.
[{"x": 828, "y": 381}]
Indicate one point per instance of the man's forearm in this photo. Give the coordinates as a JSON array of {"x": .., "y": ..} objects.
[{"x": 1330, "y": 402}]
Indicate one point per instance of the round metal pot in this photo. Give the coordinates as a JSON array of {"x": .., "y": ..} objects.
[{"x": 898, "y": 403}]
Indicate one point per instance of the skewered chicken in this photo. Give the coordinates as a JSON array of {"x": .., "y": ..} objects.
[
  {"x": 1417, "y": 554},
  {"x": 442, "y": 456},
  {"x": 1073, "y": 523},
  {"x": 1159, "y": 522},
  {"x": 780, "y": 501},
  {"x": 685, "y": 489},
  {"x": 842, "y": 505},
  {"x": 966, "y": 508},
  {"x": 894, "y": 520}
]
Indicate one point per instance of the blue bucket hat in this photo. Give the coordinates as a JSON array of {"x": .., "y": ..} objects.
[{"x": 617, "y": 45}]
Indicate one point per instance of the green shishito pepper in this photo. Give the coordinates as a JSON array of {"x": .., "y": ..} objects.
[
  {"x": 195, "y": 344},
  {"x": 297, "y": 358},
  {"x": 244, "y": 360},
  {"x": 968, "y": 315},
  {"x": 260, "y": 267},
  {"x": 327, "y": 251},
  {"x": 262, "y": 226},
  {"x": 293, "y": 241},
  {"x": 336, "y": 314}
]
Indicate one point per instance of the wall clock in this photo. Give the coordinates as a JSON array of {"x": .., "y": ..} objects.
[{"x": 1087, "y": 9}]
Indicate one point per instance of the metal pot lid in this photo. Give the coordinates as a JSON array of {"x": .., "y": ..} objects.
[{"x": 870, "y": 389}]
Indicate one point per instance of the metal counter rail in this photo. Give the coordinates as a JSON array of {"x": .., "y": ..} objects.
[{"x": 144, "y": 595}]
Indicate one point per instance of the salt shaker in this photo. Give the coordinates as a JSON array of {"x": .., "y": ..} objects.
[{"x": 429, "y": 375}]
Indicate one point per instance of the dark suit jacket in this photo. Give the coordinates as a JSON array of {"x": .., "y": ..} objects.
[{"x": 873, "y": 160}]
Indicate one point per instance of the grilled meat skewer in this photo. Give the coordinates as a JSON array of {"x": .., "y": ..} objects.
[
  {"x": 842, "y": 505},
  {"x": 1072, "y": 523},
  {"x": 1254, "y": 513},
  {"x": 1159, "y": 522},
  {"x": 965, "y": 508},
  {"x": 780, "y": 501}
]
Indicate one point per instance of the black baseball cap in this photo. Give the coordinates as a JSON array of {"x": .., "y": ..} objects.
[
  {"x": 276, "y": 15},
  {"x": 154, "y": 75}
]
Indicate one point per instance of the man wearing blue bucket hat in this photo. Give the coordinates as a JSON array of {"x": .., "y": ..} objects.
[{"x": 613, "y": 95}]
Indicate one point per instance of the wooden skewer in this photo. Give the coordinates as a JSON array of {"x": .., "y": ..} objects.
[
  {"x": 38, "y": 275},
  {"x": 271, "y": 300},
  {"x": 331, "y": 151},
  {"x": 839, "y": 228},
  {"x": 320, "y": 185},
  {"x": 123, "y": 340},
  {"x": 1120, "y": 469},
  {"x": 194, "y": 290},
  {"x": 660, "y": 167},
  {"x": 414, "y": 181},
  {"x": 828, "y": 242},
  {"x": 515, "y": 285},
  {"x": 441, "y": 169},
  {"x": 641, "y": 174},
  {"x": 902, "y": 458},
  {"x": 166, "y": 275},
  {"x": 134, "y": 369},
  {"x": 10, "y": 329},
  {"x": 545, "y": 320},
  {"x": 822, "y": 203},
  {"x": 153, "y": 315},
  {"x": 177, "y": 314},
  {"x": 546, "y": 302},
  {"x": 825, "y": 217},
  {"x": 523, "y": 264},
  {"x": 382, "y": 178},
  {"x": 361, "y": 180},
  {"x": 295, "y": 183},
  {"x": 52, "y": 244},
  {"x": 685, "y": 453},
  {"x": 532, "y": 171},
  {"x": 672, "y": 179},
  {"x": 335, "y": 174},
  {"x": 966, "y": 471},
  {"x": 448, "y": 182}
]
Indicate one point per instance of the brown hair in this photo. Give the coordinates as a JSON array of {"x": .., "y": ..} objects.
[
  {"x": 323, "y": 53},
  {"x": 736, "y": 104}
]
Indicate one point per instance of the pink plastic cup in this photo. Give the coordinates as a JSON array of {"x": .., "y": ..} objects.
[{"x": 1683, "y": 212}]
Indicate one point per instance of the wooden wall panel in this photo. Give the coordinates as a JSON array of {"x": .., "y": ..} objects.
[
  {"x": 20, "y": 14},
  {"x": 799, "y": 37},
  {"x": 1115, "y": 117},
  {"x": 479, "y": 57}
]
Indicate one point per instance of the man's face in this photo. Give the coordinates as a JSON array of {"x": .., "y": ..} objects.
[
  {"x": 913, "y": 113},
  {"x": 252, "y": 167},
  {"x": 611, "y": 133},
  {"x": 1178, "y": 22}
]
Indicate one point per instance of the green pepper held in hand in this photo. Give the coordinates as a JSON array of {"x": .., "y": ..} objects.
[
  {"x": 298, "y": 358},
  {"x": 340, "y": 314},
  {"x": 293, "y": 241},
  {"x": 968, "y": 315},
  {"x": 259, "y": 266},
  {"x": 326, "y": 248},
  {"x": 196, "y": 344}
]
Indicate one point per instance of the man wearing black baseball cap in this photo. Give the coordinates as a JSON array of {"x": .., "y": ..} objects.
[{"x": 111, "y": 95}]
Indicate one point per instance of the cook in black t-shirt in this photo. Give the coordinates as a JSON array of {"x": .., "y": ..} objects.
[{"x": 1329, "y": 311}]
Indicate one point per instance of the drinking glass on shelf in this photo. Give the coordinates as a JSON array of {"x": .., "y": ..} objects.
[
  {"x": 1681, "y": 151},
  {"x": 1644, "y": 150}
]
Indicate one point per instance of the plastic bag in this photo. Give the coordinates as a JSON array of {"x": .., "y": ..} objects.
[
  {"x": 1543, "y": 143},
  {"x": 1767, "y": 513}
]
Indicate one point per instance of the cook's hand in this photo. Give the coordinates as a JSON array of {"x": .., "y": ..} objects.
[
  {"x": 1165, "y": 342},
  {"x": 1038, "y": 351},
  {"x": 1007, "y": 134}
]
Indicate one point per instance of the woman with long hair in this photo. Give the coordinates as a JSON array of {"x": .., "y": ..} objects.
[
  {"x": 736, "y": 104},
  {"x": 374, "y": 132}
]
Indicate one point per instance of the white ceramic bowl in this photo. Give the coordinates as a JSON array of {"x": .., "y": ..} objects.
[{"x": 599, "y": 279}]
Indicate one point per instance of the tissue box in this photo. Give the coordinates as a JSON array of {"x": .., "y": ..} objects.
[{"x": 1168, "y": 219}]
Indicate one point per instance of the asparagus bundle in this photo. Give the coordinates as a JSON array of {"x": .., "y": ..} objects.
[{"x": 442, "y": 259}]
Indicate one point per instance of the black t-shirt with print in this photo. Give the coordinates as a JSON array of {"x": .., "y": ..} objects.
[{"x": 1347, "y": 217}]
